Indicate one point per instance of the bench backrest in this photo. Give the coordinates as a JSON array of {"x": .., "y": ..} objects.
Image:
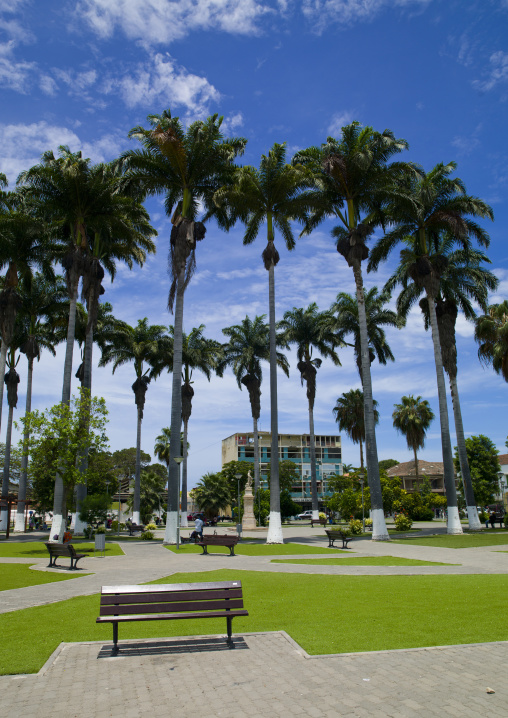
[
  {"x": 220, "y": 540},
  {"x": 171, "y": 598},
  {"x": 335, "y": 534},
  {"x": 59, "y": 549}
]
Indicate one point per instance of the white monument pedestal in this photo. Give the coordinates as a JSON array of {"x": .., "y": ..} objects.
[{"x": 248, "y": 519}]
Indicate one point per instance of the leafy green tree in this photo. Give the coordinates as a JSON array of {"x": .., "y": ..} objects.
[
  {"x": 152, "y": 486},
  {"x": 412, "y": 418},
  {"x": 249, "y": 343},
  {"x": 425, "y": 206},
  {"x": 289, "y": 474},
  {"x": 59, "y": 436},
  {"x": 349, "y": 412},
  {"x": 276, "y": 194},
  {"x": 187, "y": 167},
  {"x": 141, "y": 345},
  {"x": 125, "y": 462},
  {"x": 386, "y": 464},
  {"x": 353, "y": 179},
  {"x": 310, "y": 330},
  {"x": 94, "y": 509},
  {"x": 228, "y": 473},
  {"x": 212, "y": 494},
  {"x": 484, "y": 465}
]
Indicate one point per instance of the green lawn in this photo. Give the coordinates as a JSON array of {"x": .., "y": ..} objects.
[
  {"x": 19, "y": 575},
  {"x": 317, "y": 611},
  {"x": 465, "y": 540},
  {"x": 362, "y": 561},
  {"x": 254, "y": 548},
  {"x": 37, "y": 549}
]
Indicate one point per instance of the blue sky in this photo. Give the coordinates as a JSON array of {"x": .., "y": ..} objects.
[{"x": 83, "y": 73}]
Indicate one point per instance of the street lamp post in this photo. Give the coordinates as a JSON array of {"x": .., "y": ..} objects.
[
  {"x": 178, "y": 460},
  {"x": 119, "y": 504},
  {"x": 239, "y": 524},
  {"x": 363, "y": 507}
]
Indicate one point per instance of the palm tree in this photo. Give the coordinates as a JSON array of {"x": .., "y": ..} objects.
[
  {"x": 187, "y": 167},
  {"x": 248, "y": 345},
  {"x": 140, "y": 345},
  {"x": 425, "y": 206},
  {"x": 464, "y": 280},
  {"x": 200, "y": 353},
  {"x": 354, "y": 178},
  {"x": 212, "y": 494},
  {"x": 80, "y": 200},
  {"x": 491, "y": 333},
  {"x": 40, "y": 302},
  {"x": 345, "y": 309},
  {"x": 350, "y": 416},
  {"x": 412, "y": 419},
  {"x": 275, "y": 193},
  {"x": 163, "y": 443},
  {"x": 310, "y": 329}
]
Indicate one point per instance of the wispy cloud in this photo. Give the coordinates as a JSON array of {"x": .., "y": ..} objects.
[
  {"x": 339, "y": 120},
  {"x": 467, "y": 144},
  {"x": 163, "y": 21},
  {"x": 496, "y": 74},
  {"x": 346, "y": 12}
]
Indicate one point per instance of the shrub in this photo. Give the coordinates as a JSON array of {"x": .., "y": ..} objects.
[
  {"x": 403, "y": 522},
  {"x": 346, "y": 530},
  {"x": 322, "y": 515},
  {"x": 147, "y": 535},
  {"x": 100, "y": 530},
  {"x": 422, "y": 513},
  {"x": 355, "y": 527},
  {"x": 368, "y": 522},
  {"x": 151, "y": 527},
  {"x": 88, "y": 532},
  {"x": 114, "y": 525},
  {"x": 483, "y": 516}
]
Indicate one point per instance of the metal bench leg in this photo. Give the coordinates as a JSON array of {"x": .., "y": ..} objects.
[
  {"x": 231, "y": 550},
  {"x": 230, "y": 630},
  {"x": 115, "y": 638}
]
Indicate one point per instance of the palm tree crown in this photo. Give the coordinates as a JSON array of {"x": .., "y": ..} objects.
[
  {"x": 491, "y": 333},
  {"x": 412, "y": 418},
  {"x": 350, "y": 417}
]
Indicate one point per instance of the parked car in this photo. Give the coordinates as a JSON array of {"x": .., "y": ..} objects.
[{"x": 305, "y": 515}]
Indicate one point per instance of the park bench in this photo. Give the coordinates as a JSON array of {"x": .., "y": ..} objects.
[
  {"x": 219, "y": 540},
  {"x": 164, "y": 602},
  {"x": 67, "y": 550},
  {"x": 134, "y": 528},
  {"x": 337, "y": 535},
  {"x": 499, "y": 518},
  {"x": 320, "y": 522}
]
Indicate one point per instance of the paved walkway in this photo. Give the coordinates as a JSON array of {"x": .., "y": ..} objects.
[{"x": 267, "y": 674}]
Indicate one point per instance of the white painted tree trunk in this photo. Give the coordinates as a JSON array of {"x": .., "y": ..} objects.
[
  {"x": 170, "y": 535},
  {"x": 453, "y": 523},
  {"x": 379, "y": 530},
  {"x": 7, "y": 468},
  {"x": 19, "y": 521},
  {"x": 313, "y": 466},
  {"x": 275, "y": 521}
]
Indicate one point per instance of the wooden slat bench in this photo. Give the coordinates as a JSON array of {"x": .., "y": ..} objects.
[
  {"x": 67, "y": 550},
  {"x": 218, "y": 540},
  {"x": 319, "y": 522},
  {"x": 337, "y": 535},
  {"x": 163, "y": 602},
  {"x": 134, "y": 528}
]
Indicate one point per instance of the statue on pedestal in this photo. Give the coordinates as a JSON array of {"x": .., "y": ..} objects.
[{"x": 248, "y": 520}]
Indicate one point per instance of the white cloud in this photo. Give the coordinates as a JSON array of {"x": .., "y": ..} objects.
[
  {"x": 232, "y": 124},
  {"x": 15, "y": 75},
  {"x": 163, "y": 21},
  {"x": 338, "y": 121},
  {"x": 161, "y": 80},
  {"x": 498, "y": 72},
  {"x": 21, "y": 145},
  {"x": 466, "y": 145},
  {"x": 345, "y": 12}
]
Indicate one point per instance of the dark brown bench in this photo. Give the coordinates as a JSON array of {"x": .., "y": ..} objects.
[
  {"x": 164, "y": 602},
  {"x": 320, "y": 522},
  {"x": 134, "y": 528},
  {"x": 218, "y": 540},
  {"x": 67, "y": 550},
  {"x": 337, "y": 535}
]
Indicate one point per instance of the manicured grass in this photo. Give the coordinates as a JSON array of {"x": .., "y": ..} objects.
[
  {"x": 362, "y": 561},
  {"x": 325, "y": 614},
  {"x": 19, "y": 575},
  {"x": 465, "y": 540},
  {"x": 37, "y": 549},
  {"x": 254, "y": 548}
]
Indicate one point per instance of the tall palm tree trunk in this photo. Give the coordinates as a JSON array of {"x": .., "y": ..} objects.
[
  {"x": 275, "y": 522},
  {"x": 7, "y": 466},
  {"x": 472, "y": 512},
  {"x": 453, "y": 522},
  {"x": 58, "y": 523},
  {"x": 313, "y": 465},
  {"x": 3, "y": 360},
  {"x": 136, "y": 506},
  {"x": 183, "y": 514},
  {"x": 170, "y": 536},
  {"x": 81, "y": 489},
  {"x": 19, "y": 522},
  {"x": 362, "y": 465},
  {"x": 416, "y": 466},
  {"x": 256, "y": 454},
  {"x": 379, "y": 530}
]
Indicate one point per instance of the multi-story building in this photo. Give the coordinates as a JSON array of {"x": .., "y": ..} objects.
[{"x": 296, "y": 448}]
